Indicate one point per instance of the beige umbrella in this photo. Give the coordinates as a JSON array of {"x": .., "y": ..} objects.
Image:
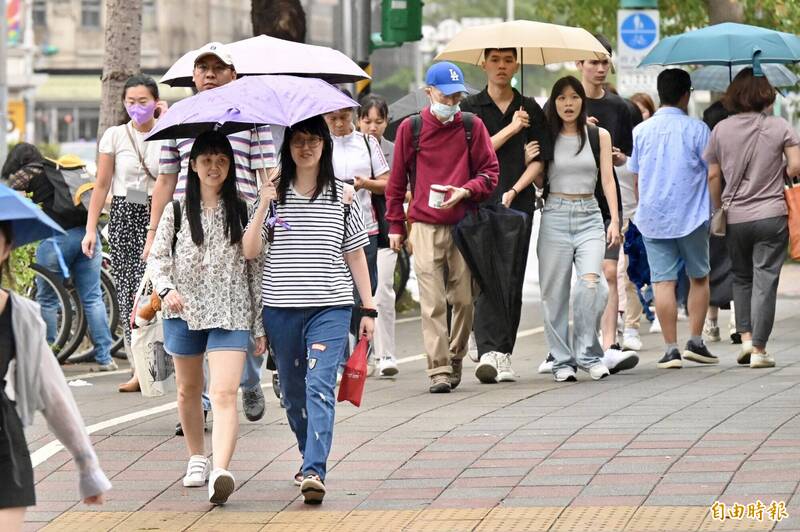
[{"x": 538, "y": 43}]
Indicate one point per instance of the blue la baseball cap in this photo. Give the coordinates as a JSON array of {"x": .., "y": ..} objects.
[{"x": 446, "y": 77}]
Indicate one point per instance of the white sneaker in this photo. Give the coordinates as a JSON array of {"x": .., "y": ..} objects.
[
  {"x": 745, "y": 352},
  {"x": 683, "y": 315},
  {"x": 505, "y": 373},
  {"x": 565, "y": 375},
  {"x": 762, "y": 360},
  {"x": 387, "y": 367},
  {"x": 370, "y": 366},
  {"x": 711, "y": 331},
  {"x": 547, "y": 364},
  {"x": 631, "y": 340},
  {"x": 472, "y": 349},
  {"x": 220, "y": 486},
  {"x": 599, "y": 371},
  {"x": 616, "y": 360},
  {"x": 487, "y": 369},
  {"x": 655, "y": 327},
  {"x": 196, "y": 472}
]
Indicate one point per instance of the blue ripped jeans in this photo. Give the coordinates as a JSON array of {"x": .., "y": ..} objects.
[{"x": 307, "y": 344}]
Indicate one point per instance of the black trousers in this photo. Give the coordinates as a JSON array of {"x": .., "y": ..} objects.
[
  {"x": 491, "y": 334},
  {"x": 757, "y": 250}
]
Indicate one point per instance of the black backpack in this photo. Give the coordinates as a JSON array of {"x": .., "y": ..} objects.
[{"x": 416, "y": 130}]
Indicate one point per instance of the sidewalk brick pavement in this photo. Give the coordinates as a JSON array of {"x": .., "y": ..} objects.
[{"x": 646, "y": 449}]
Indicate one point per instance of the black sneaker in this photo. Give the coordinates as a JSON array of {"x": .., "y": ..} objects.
[
  {"x": 699, "y": 353},
  {"x": 671, "y": 360}
]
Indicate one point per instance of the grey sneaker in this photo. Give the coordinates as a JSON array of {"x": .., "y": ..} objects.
[
  {"x": 111, "y": 366},
  {"x": 455, "y": 376},
  {"x": 253, "y": 403}
]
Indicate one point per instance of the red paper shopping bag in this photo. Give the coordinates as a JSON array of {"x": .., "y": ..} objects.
[{"x": 355, "y": 374}]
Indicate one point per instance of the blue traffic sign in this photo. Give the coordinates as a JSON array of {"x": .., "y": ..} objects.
[{"x": 638, "y": 31}]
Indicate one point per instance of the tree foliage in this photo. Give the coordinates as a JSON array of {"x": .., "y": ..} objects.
[{"x": 677, "y": 16}]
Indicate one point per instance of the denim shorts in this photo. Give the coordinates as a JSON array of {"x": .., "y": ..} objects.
[
  {"x": 179, "y": 341},
  {"x": 664, "y": 254}
]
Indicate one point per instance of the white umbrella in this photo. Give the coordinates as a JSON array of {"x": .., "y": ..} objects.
[{"x": 268, "y": 55}]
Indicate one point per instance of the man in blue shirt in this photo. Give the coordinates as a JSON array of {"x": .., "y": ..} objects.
[{"x": 674, "y": 210}]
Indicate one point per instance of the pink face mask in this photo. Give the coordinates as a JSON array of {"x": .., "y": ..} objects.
[{"x": 141, "y": 114}]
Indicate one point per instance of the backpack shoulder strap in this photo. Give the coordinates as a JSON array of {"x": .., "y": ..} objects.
[
  {"x": 176, "y": 209},
  {"x": 469, "y": 120},
  {"x": 416, "y": 131},
  {"x": 593, "y": 132}
]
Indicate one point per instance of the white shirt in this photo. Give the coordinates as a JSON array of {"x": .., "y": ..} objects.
[
  {"x": 350, "y": 160},
  {"x": 128, "y": 172}
]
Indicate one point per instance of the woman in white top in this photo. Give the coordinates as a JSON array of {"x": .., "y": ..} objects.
[
  {"x": 373, "y": 117},
  {"x": 128, "y": 167},
  {"x": 358, "y": 159}
]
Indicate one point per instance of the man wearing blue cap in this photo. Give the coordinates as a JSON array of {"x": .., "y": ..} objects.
[{"x": 450, "y": 166}]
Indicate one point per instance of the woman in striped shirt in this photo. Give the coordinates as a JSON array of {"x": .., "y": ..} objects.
[{"x": 317, "y": 239}]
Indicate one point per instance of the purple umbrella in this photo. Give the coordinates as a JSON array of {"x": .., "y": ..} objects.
[
  {"x": 249, "y": 102},
  {"x": 269, "y": 55}
]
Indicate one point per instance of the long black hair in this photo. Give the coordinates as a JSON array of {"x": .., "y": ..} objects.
[
  {"x": 214, "y": 143},
  {"x": 5, "y": 267},
  {"x": 21, "y": 155},
  {"x": 317, "y": 127},
  {"x": 551, "y": 113}
]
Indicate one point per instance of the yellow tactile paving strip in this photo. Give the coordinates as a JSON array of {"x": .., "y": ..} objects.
[{"x": 500, "y": 519}]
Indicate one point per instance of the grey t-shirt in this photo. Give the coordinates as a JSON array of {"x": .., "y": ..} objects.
[{"x": 760, "y": 194}]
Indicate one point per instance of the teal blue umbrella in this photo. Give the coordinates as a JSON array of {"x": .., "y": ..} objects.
[
  {"x": 726, "y": 44},
  {"x": 28, "y": 222}
]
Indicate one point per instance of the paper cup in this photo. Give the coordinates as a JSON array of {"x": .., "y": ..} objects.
[{"x": 436, "y": 196}]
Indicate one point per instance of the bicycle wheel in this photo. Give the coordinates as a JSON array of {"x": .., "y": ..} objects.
[
  {"x": 78, "y": 329},
  {"x": 401, "y": 273},
  {"x": 85, "y": 349},
  {"x": 65, "y": 313}
]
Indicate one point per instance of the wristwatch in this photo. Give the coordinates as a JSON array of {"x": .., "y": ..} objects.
[
  {"x": 369, "y": 312},
  {"x": 164, "y": 293}
]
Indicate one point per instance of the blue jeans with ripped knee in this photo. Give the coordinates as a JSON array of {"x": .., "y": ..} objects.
[
  {"x": 572, "y": 234},
  {"x": 307, "y": 345}
]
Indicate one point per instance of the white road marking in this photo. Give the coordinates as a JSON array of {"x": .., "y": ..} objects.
[{"x": 50, "y": 449}]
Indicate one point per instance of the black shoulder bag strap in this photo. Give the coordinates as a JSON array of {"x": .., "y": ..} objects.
[
  {"x": 416, "y": 131},
  {"x": 176, "y": 209}
]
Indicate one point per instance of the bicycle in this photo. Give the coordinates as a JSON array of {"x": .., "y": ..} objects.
[{"x": 65, "y": 315}]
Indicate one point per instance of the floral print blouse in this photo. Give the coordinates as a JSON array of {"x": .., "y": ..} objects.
[{"x": 219, "y": 287}]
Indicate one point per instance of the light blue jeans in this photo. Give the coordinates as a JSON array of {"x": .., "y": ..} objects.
[
  {"x": 307, "y": 344},
  {"x": 85, "y": 274},
  {"x": 572, "y": 232}
]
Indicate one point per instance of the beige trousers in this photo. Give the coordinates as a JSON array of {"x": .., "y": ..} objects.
[{"x": 443, "y": 278}]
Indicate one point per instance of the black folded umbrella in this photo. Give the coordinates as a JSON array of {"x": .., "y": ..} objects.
[{"x": 492, "y": 242}]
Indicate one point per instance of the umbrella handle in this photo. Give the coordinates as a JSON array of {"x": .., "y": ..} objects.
[{"x": 757, "y": 70}]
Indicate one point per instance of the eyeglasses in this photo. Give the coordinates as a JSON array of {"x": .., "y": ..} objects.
[
  {"x": 218, "y": 68},
  {"x": 311, "y": 142}
]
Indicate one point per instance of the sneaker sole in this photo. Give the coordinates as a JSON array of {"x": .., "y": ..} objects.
[
  {"x": 700, "y": 359},
  {"x": 571, "y": 378},
  {"x": 313, "y": 493},
  {"x": 194, "y": 483},
  {"x": 743, "y": 359},
  {"x": 389, "y": 372},
  {"x": 486, "y": 373},
  {"x": 628, "y": 363},
  {"x": 762, "y": 364},
  {"x": 506, "y": 377},
  {"x": 601, "y": 377},
  {"x": 223, "y": 487},
  {"x": 672, "y": 364},
  {"x": 440, "y": 388}
]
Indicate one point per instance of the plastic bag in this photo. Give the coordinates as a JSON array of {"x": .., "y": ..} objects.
[{"x": 355, "y": 374}]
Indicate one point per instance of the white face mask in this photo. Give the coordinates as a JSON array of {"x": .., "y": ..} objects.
[{"x": 443, "y": 110}]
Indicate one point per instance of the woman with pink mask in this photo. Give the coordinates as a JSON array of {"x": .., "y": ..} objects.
[{"x": 127, "y": 166}]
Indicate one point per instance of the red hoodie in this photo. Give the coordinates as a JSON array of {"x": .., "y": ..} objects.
[{"x": 441, "y": 160}]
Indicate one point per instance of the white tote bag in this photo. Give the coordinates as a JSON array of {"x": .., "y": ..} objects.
[{"x": 154, "y": 366}]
